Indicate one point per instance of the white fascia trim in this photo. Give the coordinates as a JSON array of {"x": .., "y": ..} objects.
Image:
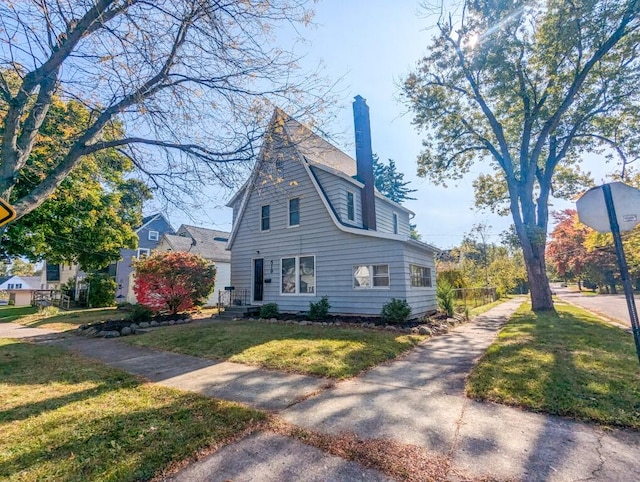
[
  {"x": 357, "y": 183},
  {"x": 384, "y": 198},
  {"x": 235, "y": 197},
  {"x": 339, "y": 225},
  {"x": 247, "y": 193},
  {"x": 153, "y": 219}
]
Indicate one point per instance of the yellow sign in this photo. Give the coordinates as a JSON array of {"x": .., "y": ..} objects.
[{"x": 6, "y": 212}]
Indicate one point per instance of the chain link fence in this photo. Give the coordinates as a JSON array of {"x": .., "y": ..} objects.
[{"x": 474, "y": 297}]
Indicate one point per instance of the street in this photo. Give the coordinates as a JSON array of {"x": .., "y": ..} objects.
[{"x": 611, "y": 306}]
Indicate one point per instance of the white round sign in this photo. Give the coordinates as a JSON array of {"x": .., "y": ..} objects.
[{"x": 592, "y": 209}]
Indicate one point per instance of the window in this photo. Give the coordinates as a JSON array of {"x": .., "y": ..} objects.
[
  {"x": 420, "y": 276},
  {"x": 279, "y": 165},
  {"x": 371, "y": 276},
  {"x": 154, "y": 235},
  {"x": 294, "y": 212},
  {"x": 11, "y": 286},
  {"x": 265, "y": 218},
  {"x": 18, "y": 286},
  {"x": 298, "y": 275},
  {"x": 143, "y": 252},
  {"x": 395, "y": 223},
  {"x": 351, "y": 206}
]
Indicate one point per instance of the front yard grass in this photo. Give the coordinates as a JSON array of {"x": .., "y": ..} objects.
[
  {"x": 13, "y": 313},
  {"x": 334, "y": 352},
  {"x": 64, "y": 417},
  {"x": 567, "y": 363},
  {"x": 60, "y": 320}
]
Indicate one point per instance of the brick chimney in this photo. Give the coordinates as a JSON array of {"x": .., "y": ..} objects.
[{"x": 364, "y": 161}]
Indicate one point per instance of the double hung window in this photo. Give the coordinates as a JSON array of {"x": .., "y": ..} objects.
[
  {"x": 371, "y": 276},
  {"x": 265, "y": 218},
  {"x": 420, "y": 276},
  {"x": 298, "y": 275},
  {"x": 351, "y": 206},
  {"x": 294, "y": 212}
]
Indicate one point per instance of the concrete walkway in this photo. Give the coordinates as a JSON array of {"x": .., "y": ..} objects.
[{"x": 416, "y": 400}]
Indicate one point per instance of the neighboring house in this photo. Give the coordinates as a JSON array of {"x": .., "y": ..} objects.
[
  {"x": 208, "y": 243},
  {"x": 149, "y": 235},
  {"x": 309, "y": 223},
  {"x": 53, "y": 276},
  {"x": 21, "y": 288}
]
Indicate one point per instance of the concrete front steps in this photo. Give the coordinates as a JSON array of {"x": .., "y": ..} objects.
[{"x": 231, "y": 312}]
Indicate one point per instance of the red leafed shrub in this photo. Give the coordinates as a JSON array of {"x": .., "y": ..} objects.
[{"x": 173, "y": 281}]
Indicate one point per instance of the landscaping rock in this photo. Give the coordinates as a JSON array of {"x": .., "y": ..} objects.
[
  {"x": 144, "y": 324},
  {"x": 126, "y": 331},
  {"x": 134, "y": 327},
  {"x": 100, "y": 334},
  {"x": 303, "y": 323},
  {"x": 390, "y": 328},
  {"x": 171, "y": 322},
  {"x": 415, "y": 330},
  {"x": 424, "y": 330},
  {"x": 162, "y": 323},
  {"x": 112, "y": 334},
  {"x": 154, "y": 323}
]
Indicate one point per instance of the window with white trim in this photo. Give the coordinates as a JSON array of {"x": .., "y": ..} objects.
[
  {"x": 11, "y": 286},
  {"x": 351, "y": 206},
  {"x": 420, "y": 276},
  {"x": 298, "y": 275},
  {"x": 395, "y": 223},
  {"x": 265, "y": 218},
  {"x": 18, "y": 286},
  {"x": 371, "y": 276},
  {"x": 143, "y": 252},
  {"x": 294, "y": 212},
  {"x": 154, "y": 235}
]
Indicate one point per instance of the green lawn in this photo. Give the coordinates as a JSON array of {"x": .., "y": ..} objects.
[
  {"x": 324, "y": 351},
  {"x": 55, "y": 319},
  {"x": 484, "y": 308},
  {"x": 566, "y": 363},
  {"x": 63, "y": 417},
  {"x": 13, "y": 313}
]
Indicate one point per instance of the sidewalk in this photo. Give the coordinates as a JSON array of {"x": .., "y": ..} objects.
[{"x": 417, "y": 400}]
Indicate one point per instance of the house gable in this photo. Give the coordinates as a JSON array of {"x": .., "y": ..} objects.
[
  {"x": 267, "y": 240},
  {"x": 287, "y": 141}
]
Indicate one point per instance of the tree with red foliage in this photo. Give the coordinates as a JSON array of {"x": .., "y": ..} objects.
[
  {"x": 173, "y": 281},
  {"x": 566, "y": 250}
]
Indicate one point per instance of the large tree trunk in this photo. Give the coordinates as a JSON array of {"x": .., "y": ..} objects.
[{"x": 538, "y": 281}]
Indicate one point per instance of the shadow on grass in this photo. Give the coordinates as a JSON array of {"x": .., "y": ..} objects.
[
  {"x": 75, "y": 317},
  {"x": 566, "y": 363},
  {"x": 9, "y": 314},
  {"x": 323, "y": 351},
  {"x": 71, "y": 419}
]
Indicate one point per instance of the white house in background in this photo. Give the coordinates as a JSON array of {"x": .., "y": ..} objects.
[
  {"x": 21, "y": 288},
  {"x": 309, "y": 222},
  {"x": 208, "y": 243}
]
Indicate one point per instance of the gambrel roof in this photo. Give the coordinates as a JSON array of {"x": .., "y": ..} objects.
[{"x": 314, "y": 152}]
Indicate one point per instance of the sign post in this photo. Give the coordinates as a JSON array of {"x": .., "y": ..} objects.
[{"x": 628, "y": 213}]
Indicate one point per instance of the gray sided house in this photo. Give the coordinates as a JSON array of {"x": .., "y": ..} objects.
[
  {"x": 309, "y": 223},
  {"x": 208, "y": 243},
  {"x": 149, "y": 235}
]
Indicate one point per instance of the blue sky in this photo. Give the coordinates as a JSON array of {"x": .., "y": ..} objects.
[{"x": 371, "y": 46}]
